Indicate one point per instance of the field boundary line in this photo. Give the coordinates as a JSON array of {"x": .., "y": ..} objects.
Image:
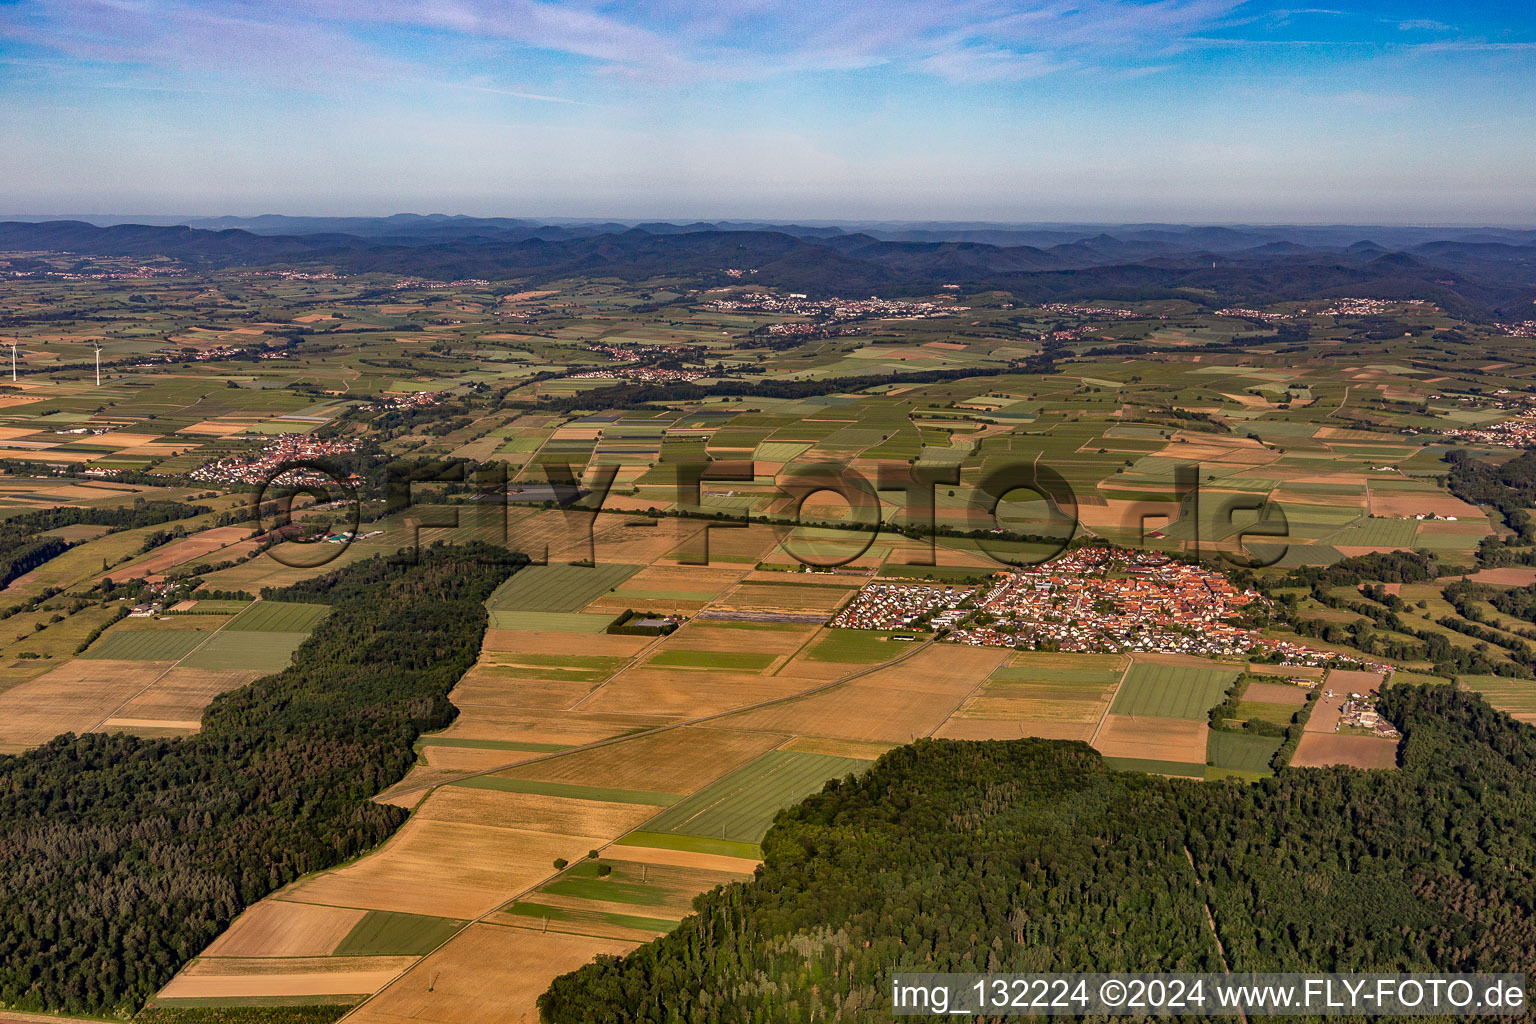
[
  {"x": 634, "y": 660},
  {"x": 973, "y": 691},
  {"x": 611, "y": 740},
  {"x": 99, "y": 726},
  {"x": 427, "y": 788},
  {"x": 1130, "y": 663}
]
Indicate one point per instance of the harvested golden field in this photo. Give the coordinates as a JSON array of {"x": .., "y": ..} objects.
[
  {"x": 706, "y": 581},
  {"x": 502, "y": 686},
  {"x": 677, "y": 761},
  {"x": 1347, "y": 681},
  {"x": 235, "y": 979},
  {"x": 411, "y": 874},
  {"x": 75, "y": 697},
  {"x": 181, "y": 695},
  {"x": 1319, "y": 749},
  {"x": 1153, "y": 739},
  {"x": 486, "y": 974},
  {"x": 1509, "y": 576},
  {"x": 714, "y": 635},
  {"x": 278, "y": 928},
  {"x": 626, "y": 539},
  {"x": 540, "y": 725},
  {"x": 534, "y": 813},
  {"x": 1276, "y": 693},
  {"x": 837, "y": 748},
  {"x": 958, "y": 728},
  {"x": 786, "y": 597},
  {"x": 734, "y": 547},
  {"x": 895, "y": 704},
  {"x": 683, "y": 859},
  {"x": 1404, "y": 504},
  {"x": 451, "y": 759},
  {"x": 686, "y": 694},
  {"x": 1013, "y": 709},
  {"x": 531, "y": 641}
]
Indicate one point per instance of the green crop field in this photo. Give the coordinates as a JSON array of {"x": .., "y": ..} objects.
[
  {"x": 574, "y": 792},
  {"x": 1241, "y": 751},
  {"x": 692, "y": 844},
  {"x": 558, "y": 588},
  {"x": 551, "y": 622},
  {"x": 1171, "y": 691},
  {"x": 593, "y": 918},
  {"x": 146, "y": 644},
  {"x": 858, "y": 646},
  {"x": 256, "y": 651},
  {"x": 1517, "y": 696},
  {"x": 1280, "y": 714},
  {"x": 384, "y": 933},
  {"x": 740, "y": 807},
  {"x": 732, "y": 660},
  {"x": 279, "y": 617},
  {"x": 1137, "y": 764},
  {"x": 583, "y": 882}
]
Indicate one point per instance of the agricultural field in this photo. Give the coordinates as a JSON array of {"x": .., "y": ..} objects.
[
  {"x": 279, "y": 617},
  {"x": 1240, "y": 755},
  {"x": 558, "y": 588},
  {"x": 613, "y": 897},
  {"x": 149, "y": 676},
  {"x": 1052, "y": 696},
  {"x": 1163, "y": 690},
  {"x": 593, "y": 780},
  {"x": 1320, "y": 750},
  {"x": 740, "y": 806}
]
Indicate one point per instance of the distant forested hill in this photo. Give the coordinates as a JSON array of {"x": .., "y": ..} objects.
[
  {"x": 1030, "y": 856},
  {"x": 1473, "y": 279}
]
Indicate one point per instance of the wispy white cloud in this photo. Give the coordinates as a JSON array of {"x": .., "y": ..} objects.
[
  {"x": 655, "y": 40},
  {"x": 224, "y": 39},
  {"x": 514, "y": 93}
]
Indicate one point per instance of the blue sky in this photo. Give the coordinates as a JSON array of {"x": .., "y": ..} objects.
[{"x": 1417, "y": 111}]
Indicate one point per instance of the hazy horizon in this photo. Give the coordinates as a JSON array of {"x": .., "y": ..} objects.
[{"x": 104, "y": 219}]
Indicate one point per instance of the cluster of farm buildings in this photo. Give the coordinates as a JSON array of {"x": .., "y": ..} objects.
[{"x": 1359, "y": 712}]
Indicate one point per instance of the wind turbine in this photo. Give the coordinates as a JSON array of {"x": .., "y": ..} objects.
[
  {"x": 97, "y": 346},
  {"x": 13, "y": 362}
]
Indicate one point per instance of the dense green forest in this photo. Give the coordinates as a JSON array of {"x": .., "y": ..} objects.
[
  {"x": 121, "y": 858},
  {"x": 1030, "y": 855}
]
